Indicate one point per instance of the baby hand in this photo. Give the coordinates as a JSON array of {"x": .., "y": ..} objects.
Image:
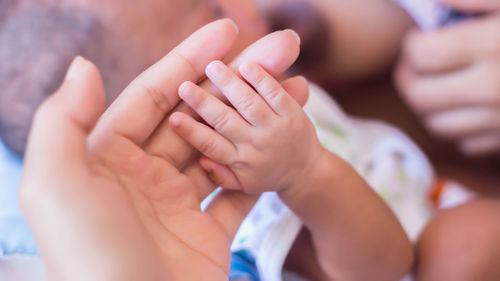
[{"x": 265, "y": 143}]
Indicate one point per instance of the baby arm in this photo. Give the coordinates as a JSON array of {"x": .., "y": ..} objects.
[{"x": 267, "y": 143}]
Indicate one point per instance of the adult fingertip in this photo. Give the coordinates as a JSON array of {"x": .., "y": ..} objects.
[
  {"x": 295, "y": 34},
  {"x": 233, "y": 23},
  {"x": 77, "y": 68}
]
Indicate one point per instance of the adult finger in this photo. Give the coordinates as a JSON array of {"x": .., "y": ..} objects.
[
  {"x": 58, "y": 140},
  {"x": 463, "y": 122},
  {"x": 276, "y": 52},
  {"x": 454, "y": 46},
  {"x": 476, "y": 85},
  {"x": 298, "y": 88},
  {"x": 144, "y": 103}
]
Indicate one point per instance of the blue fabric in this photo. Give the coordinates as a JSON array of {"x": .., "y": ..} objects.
[
  {"x": 243, "y": 266},
  {"x": 15, "y": 235},
  {"x": 455, "y": 17}
]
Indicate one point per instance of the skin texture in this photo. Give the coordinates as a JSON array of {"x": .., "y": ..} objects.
[
  {"x": 100, "y": 174},
  {"x": 248, "y": 146},
  {"x": 243, "y": 147}
]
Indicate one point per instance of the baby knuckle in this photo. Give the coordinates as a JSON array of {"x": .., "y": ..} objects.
[
  {"x": 274, "y": 92},
  {"x": 267, "y": 137},
  {"x": 245, "y": 152},
  {"x": 221, "y": 121},
  {"x": 225, "y": 80},
  {"x": 260, "y": 79},
  {"x": 208, "y": 147},
  {"x": 247, "y": 103}
]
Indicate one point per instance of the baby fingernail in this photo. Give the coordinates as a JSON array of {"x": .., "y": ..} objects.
[
  {"x": 185, "y": 90},
  {"x": 215, "y": 68}
]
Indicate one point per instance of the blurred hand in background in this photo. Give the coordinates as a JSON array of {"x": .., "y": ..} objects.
[{"x": 451, "y": 77}]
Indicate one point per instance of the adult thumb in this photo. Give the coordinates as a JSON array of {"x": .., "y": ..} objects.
[{"x": 62, "y": 123}]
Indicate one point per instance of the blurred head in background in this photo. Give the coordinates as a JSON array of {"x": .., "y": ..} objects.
[{"x": 38, "y": 40}]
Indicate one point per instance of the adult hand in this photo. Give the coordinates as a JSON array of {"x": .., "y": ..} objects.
[
  {"x": 104, "y": 202},
  {"x": 451, "y": 77}
]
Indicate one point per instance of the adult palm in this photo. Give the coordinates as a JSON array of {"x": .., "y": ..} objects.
[{"x": 117, "y": 196}]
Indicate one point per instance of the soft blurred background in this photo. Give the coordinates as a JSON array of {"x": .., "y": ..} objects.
[{"x": 348, "y": 47}]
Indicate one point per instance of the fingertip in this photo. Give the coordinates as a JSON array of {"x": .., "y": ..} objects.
[
  {"x": 303, "y": 80},
  {"x": 275, "y": 52},
  {"x": 233, "y": 23},
  {"x": 295, "y": 35},
  {"x": 81, "y": 96},
  {"x": 76, "y": 69},
  {"x": 214, "y": 68},
  {"x": 186, "y": 90},
  {"x": 249, "y": 69},
  {"x": 175, "y": 120}
]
